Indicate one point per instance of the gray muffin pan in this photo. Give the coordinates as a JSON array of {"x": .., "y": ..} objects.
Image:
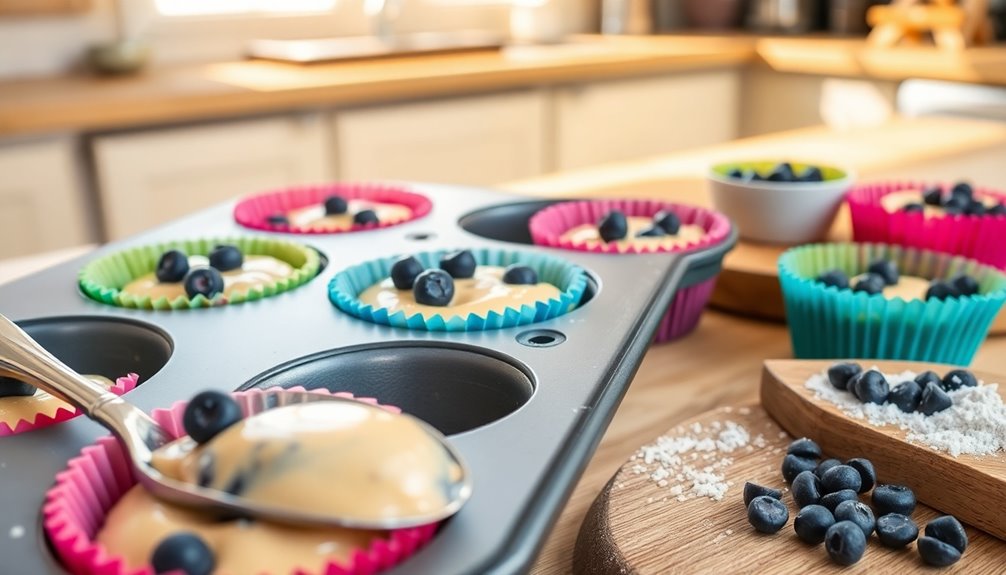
[{"x": 526, "y": 406}]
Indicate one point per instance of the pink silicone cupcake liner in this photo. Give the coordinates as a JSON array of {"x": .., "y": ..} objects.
[
  {"x": 253, "y": 212},
  {"x": 975, "y": 237},
  {"x": 83, "y": 494},
  {"x": 121, "y": 386},
  {"x": 684, "y": 312},
  {"x": 548, "y": 225}
]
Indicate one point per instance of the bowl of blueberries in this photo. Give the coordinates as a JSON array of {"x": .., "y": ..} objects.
[{"x": 779, "y": 202}]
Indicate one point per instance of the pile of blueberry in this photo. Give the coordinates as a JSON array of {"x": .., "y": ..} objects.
[
  {"x": 436, "y": 286},
  {"x": 882, "y": 273},
  {"x": 614, "y": 226},
  {"x": 173, "y": 267},
  {"x": 827, "y": 493},
  {"x": 927, "y": 393},
  {"x": 782, "y": 172},
  {"x": 334, "y": 206},
  {"x": 959, "y": 200}
]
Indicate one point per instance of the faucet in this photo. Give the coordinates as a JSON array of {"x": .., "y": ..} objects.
[{"x": 383, "y": 14}]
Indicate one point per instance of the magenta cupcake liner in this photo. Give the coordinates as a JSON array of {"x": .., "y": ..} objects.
[
  {"x": 121, "y": 386},
  {"x": 548, "y": 225},
  {"x": 83, "y": 494},
  {"x": 683, "y": 314},
  {"x": 975, "y": 237},
  {"x": 253, "y": 212}
]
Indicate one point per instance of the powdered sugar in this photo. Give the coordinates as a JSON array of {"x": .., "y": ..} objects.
[
  {"x": 975, "y": 424},
  {"x": 690, "y": 463}
]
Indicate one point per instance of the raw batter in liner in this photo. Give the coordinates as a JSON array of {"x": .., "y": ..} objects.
[
  {"x": 314, "y": 216},
  {"x": 896, "y": 201},
  {"x": 256, "y": 271},
  {"x": 587, "y": 235},
  {"x": 907, "y": 288},
  {"x": 28, "y": 407}
]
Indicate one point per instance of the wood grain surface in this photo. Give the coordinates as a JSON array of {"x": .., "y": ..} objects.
[
  {"x": 631, "y": 528},
  {"x": 963, "y": 486}
]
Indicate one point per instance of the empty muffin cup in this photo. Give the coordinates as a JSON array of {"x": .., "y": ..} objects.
[{"x": 94, "y": 482}]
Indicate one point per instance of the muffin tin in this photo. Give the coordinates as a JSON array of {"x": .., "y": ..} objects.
[{"x": 526, "y": 406}]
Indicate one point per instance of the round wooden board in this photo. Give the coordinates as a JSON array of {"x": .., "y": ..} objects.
[{"x": 636, "y": 526}]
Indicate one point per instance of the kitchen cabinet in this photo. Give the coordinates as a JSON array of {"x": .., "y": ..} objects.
[
  {"x": 479, "y": 140},
  {"x": 630, "y": 119},
  {"x": 42, "y": 202},
  {"x": 147, "y": 178}
]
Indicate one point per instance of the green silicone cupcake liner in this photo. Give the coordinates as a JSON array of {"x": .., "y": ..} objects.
[
  {"x": 827, "y": 322},
  {"x": 104, "y": 278},
  {"x": 571, "y": 280}
]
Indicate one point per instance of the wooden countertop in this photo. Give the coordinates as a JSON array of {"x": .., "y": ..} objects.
[
  {"x": 230, "y": 89},
  {"x": 720, "y": 363}
]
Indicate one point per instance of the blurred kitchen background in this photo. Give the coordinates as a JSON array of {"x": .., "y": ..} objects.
[{"x": 118, "y": 116}]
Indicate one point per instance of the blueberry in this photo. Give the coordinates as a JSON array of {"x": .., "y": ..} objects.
[
  {"x": 964, "y": 284},
  {"x": 516, "y": 274},
  {"x": 839, "y": 374},
  {"x": 335, "y": 205},
  {"x": 460, "y": 264},
  {"x": 735, "y": 173},
  {"x": 613, "y": 226},
  {"x": 948, "y": 530},
  {"x": 834, "y": 278},
  {"x": 858, "y": 513},
  {"x": 652, "y": 232},
  {"x": 203, "y": 281},
  {"x": 209, "y": 413},
  {"x": 913, "y": 208},
  {"x": 812, "y": 174},
  {"x": 953, "y": 209},
  {"x": 812, "y": 522},
  {"x": 825, "y": 466},
  {"x": 937, "y": 553},
  {"x": 934, "y": 399},
  {"x": 958, "y": 378},
  {"x": 941, "y": 290},
  {"x": 172, "y": 266},
  {"x": 867, "y": 474},
  {"x": 752, "y": 490},
  {"x": 906, "y": 396},
  {"x": 366, "y": 218},
  {"x": 792, "y": 465},
  {"x": 752, "y": 176},
  {"x": 433, "y": 287},
  {"x": 667, "y": 221},
  {"x": 277, "y": 220},
  {"x": 975, "y": 208},
  {"x": 896, "y": 530},
  {"x": 870, "y": 283},
  {"x": 767, "y": 514},
  {"x": 933, "y": 196},
  {"x": 183, "y": 552},
  {"x": 10, "y": 387},
  {"x": 806, "y": 489},
  {"x": 885, "y": 269},
  {"x": 926, "y": 376},
  {"x": 226, "y": 258},
  {"x": 841, "y": 477},
  {"x": 962, "y": 189},
  {"x": 872, "y": 387},
  {"x": 782, "y": 173},
  {"x": 805, "y": 447},
  {"x": 997, "y": 210},
  {"x": 404, "y": 272},
  {"x": 893, "y": 499},
  {"x": 833, "y": 500},
  {"x": 845, "y": 542}
]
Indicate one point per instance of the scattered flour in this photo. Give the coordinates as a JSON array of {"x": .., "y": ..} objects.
[
  {"x": 16, "y": 532},
  {"x": 672, "y": 461},
  {"x": 974, "y": 425}
]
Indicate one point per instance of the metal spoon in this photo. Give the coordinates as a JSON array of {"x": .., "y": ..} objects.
[{"x": 23, "y": 358}]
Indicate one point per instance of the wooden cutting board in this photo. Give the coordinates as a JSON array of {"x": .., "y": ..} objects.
[
  {"x": 966, "y": 486},
  {"x": 630, "y": 528}
]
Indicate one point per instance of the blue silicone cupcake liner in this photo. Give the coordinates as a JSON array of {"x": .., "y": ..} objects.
[
  {"x": 571, "y": 280},
  {"x": 827, "y": 322}
]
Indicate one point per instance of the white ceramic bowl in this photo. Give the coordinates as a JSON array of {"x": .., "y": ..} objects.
[{"x": 779, "y": 212}]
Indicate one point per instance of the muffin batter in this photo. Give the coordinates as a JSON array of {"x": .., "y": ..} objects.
[
  {"x": 907, "y": 288},
  {"x": 314, "y": 216},
  {"x": 28, "y": 407},
  {"x": 480, "y": 294},
  {"x": 587, "y": 235},
  {"x": 895, "y": 201},
  {"x": 255, "y": 272}
]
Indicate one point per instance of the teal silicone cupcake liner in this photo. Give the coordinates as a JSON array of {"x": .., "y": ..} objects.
[
  {"x": 104, "y": 278},
  {"x": 346, "y": 286},
  {"x": 828, "y": 322}
]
